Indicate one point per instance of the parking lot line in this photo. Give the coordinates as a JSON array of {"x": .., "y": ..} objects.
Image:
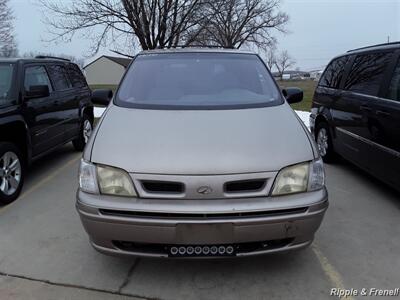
[
  {"x": 330, "y": 271},
  {"x": 42, "y": 182}
]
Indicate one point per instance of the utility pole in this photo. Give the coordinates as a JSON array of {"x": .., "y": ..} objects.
[{"x": 388, "y": 39}]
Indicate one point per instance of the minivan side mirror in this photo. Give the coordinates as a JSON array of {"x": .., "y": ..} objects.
[
  {"x": 102, "y": 97},
  {"x": 293, "y": 94},
  {"x": 37, "y": 91}
]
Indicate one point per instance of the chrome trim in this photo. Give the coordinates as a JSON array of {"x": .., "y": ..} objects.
[
  {"x": 90, "y": 204},
  {"x": 369, "y": 142},
  {"x": 370, "y": 97},
  {"x": 202, "y": 216},
  {"x": 6, "y": 109},
  {"x": 390, "y": 100}
]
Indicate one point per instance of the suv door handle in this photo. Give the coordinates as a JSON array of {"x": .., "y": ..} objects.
[
  {"x": 382, "y": 113},
  {"x": 365, "y": 108}
]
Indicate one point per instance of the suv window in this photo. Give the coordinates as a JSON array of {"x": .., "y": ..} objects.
[
  {"x": 76, "y": 76},
  {"x": 334, "y": 73},
  {"x": 36, "y": 75},
  {"x": 6, "y": 75},
  {"x": 59, "y": 77},
  {"x": 394, "y": 88},
  {"x": 367, "y": 72},
  {"x": 198, "y": 81}
]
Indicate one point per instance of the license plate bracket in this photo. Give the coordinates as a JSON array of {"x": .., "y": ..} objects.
[{"x": 210, "y": 233}]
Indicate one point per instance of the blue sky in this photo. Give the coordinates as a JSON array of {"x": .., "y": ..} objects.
[{"x": 319, "y": 29}]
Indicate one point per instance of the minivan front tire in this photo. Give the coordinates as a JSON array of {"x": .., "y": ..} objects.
[
  {"x": 12, "y": 172},
  {"x": 324, "y": 142}
]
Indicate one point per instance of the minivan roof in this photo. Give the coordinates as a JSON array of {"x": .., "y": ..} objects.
[
  {"x": 195, "y": 49},
  {"x": 387, "y": 46}
]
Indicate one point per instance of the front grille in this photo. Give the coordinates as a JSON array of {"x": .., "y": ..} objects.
[
  {"x": 157, "y": 215},
  {"x": 245, "y": 186},
  {"x": 193, "y": 187},
  {"x": 152, "y": 186},
  {"x": 209, "y": 250}
]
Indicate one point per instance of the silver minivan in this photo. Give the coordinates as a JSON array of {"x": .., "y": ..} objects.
[{"x": 199, "y": 154}]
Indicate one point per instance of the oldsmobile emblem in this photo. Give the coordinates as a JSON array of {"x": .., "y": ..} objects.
[{"x": 204, "y": 190}]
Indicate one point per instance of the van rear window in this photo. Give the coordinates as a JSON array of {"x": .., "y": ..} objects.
[
  {"x": 76, "y": 76},
  {"x": 334, "y": 73},
  {"x": 367, "y": 72}
]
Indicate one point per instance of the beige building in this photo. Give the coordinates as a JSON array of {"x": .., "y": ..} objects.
[{"x": 106, "y": 70}]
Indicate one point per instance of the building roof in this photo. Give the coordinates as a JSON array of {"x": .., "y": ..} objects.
[
  {"x": 123, "y": 61},
  {"x": 118, "y": 60}
]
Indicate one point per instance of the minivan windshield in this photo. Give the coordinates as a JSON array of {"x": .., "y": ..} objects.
[
  {"x": 197, "y": 80},
  {"x": 6, "y": 75}
]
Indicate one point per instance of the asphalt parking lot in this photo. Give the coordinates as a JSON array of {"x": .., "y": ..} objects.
[{"x": 45, "y": 254}]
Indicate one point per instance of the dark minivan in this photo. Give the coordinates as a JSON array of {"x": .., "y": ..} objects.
[
  {"x": 44, "y": 103},
  {"x": 356, "y": 110}
]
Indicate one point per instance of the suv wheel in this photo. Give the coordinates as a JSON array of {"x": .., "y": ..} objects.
[
  {"x": 324, "y": 142},
  {"x": 84, "y": 133},
  {"x": 11, "y": 172}
]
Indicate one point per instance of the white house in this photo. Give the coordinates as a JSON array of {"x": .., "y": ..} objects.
[
  {"x": 316, "y": 74},
  {"x": 286, "y": 76},
  {"x": 106, "y": 70}
]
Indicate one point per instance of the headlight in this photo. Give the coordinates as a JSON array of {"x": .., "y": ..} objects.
[
  {"x": 113, "y": 181},
  {"x": 87, "y": 178},
  {"x": 106, "y": 180},
  {"x": 299, "y": 178},
  {"x": 317, "y": 175}
]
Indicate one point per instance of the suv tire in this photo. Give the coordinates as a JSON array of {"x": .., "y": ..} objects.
[
  {"x": 324, "y": 142},
  {"x": 84, "y": 133},
  {"x": 12, "y": 172}
]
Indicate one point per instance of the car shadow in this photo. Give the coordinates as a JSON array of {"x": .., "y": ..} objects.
[
  {"x": 381, "y": 187},
  {"x": 51, "y": 161},
  {"x": 240, "y": 277}
]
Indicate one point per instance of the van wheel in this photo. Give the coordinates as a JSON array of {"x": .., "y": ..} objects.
[
  {"x": 324, "y": 142},
  {"x": 12, "y": 172},
  {"x": 84, "y": 133}
]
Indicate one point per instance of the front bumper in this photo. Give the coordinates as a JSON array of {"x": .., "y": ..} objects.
[{"x": 150, "y": 227}]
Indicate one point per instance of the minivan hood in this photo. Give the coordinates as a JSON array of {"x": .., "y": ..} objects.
[{"x": 198, "y": 142}]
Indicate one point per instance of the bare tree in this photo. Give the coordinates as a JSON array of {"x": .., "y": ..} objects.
[
  {"x": 235, "y": 23},
  {"x": 270, "y": 57},
  {"x": 283, "y": 62},
  {"x": 149, "y": 23},
  {"x": 166, "y": 23},
  {"x": 8, "y": 44}
]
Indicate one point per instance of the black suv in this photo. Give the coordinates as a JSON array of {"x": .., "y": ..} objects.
[
  {"x": 356, "y": 110},
  {"x": 44, "y": 103}
]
